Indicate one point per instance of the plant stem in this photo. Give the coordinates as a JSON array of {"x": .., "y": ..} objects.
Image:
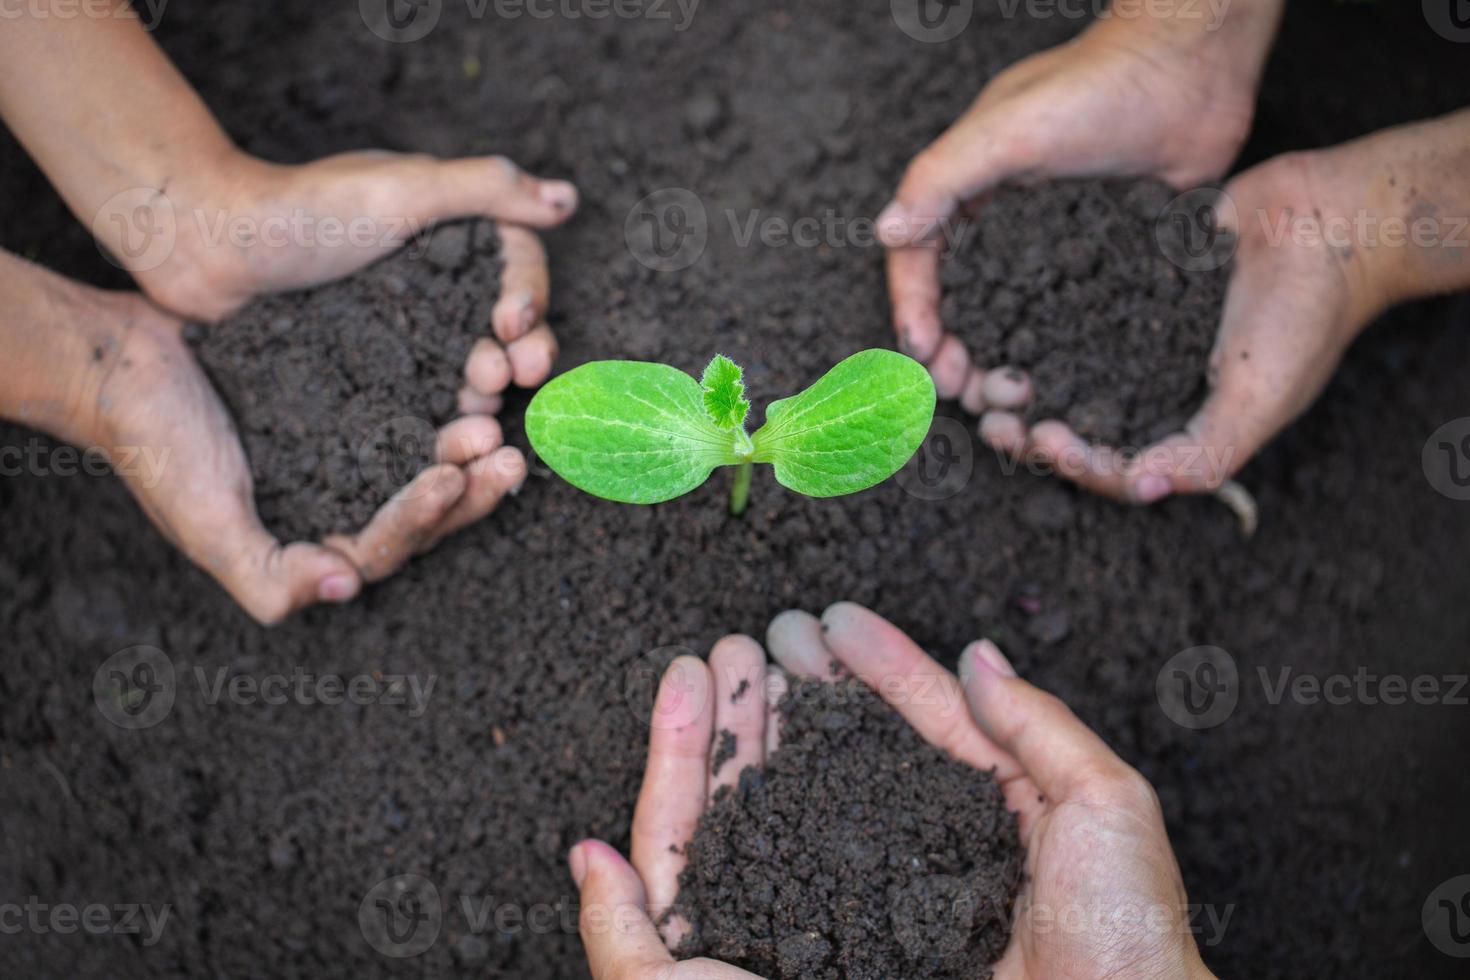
[{"x": 740, "y": 490}]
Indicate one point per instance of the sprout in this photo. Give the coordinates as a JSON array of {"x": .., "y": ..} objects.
[{"x": 642, "y": 433}]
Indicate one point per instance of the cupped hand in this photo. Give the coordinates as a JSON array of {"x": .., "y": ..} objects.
[
  {"x": 1103, "y": 896},
  {"x": 1295, "y": 302},
  {"x": 246, "y": 228},
  {"x": 1143, "y": 96},
  {"x": 188, "y": 471}
]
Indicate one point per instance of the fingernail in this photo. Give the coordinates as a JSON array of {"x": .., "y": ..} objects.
[
  {"x": 893, "y": 224},
  {"x": 578, "y": 863},
  {"x": 559, "y": 194},
  {"x": 985, "y": 655},
  {"x": 527, "y": 317},
  {"x": 337, "y": 588},
  {"x": 1151, "y": 487},
  {"x": 905, "y": 345}
]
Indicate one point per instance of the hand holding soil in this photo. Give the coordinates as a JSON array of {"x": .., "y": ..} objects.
[
  {"x": 1096, "y": 849},
  {"x": 1138, "y": 97}
]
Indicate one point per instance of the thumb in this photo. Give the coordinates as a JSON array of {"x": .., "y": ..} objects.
[
  {"x": 494, "y": 187},
  {"x": 620, "y": 938},
  {"x": 973, "y": 155},
  {"x": 1062, "y": 755}
]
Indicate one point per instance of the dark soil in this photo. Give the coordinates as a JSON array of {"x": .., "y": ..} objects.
[
  {"x": 1320, "y": 829},
  {"x": 858, "y": 852},
  {"x": 1075, "y": 286},
  {"x": 338, "y": 391}
]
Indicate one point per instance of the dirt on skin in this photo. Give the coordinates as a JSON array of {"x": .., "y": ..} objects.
[
  {"x": 857, "y": 852},
  {"x": 1114, "y": 326},
  {"x": 338, "y": 391},
  {"x": 1309, "y": 834}
]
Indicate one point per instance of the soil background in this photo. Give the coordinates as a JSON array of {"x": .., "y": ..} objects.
[{"x": 1319, "y": 830}]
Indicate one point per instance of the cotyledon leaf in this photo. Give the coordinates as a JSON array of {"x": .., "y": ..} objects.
[
  {"x": 628, "y": 431},
  {"x": 853, "y": 429}
]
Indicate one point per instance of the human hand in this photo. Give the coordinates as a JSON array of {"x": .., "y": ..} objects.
[
  {"x": 291, "y": 216},
  {"x": 1097, "y": 851},
  {"x": 146, "y": 392},
  {"x": 623, "y": 922},
  {"x": 1326, "y": 241},
  {"x": 1163, "y": 96}
]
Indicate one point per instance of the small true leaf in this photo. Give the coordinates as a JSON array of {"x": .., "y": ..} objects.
[
  {"x": 629, "y": 431},
  {"x": 854, "y": 428},
  {"x": 724, "y": 392}
]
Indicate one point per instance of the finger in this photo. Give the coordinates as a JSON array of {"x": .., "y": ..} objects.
[
  {"x": 1100, "y": 469},
  {"x": 494, "y": 187},
  {"x": 525, "y": 284},
  {"x": 795, "y": 640},
  {"x": 270, "y": 581},
  {"x": 487, "y": 372},
  {"x": 1066, "y": 759},
  {"x": 471, "y": 402},
  {"x": 739, "y": 667},
  {"x": 401, "y": 526},
  {"x": 1008, "y": 388},
  {"x": 489, "y": 480},
  {"x": 532, "y": 356},
  {"x": 913, "y": 289},
  {"x": 973, "y": 155},
  {"x": 1004, "y": 432},
  {"x": 1213, "y": 447},
  {"x": 925, "y": 694},
  {"x": 950, "y": 367},
  {"x": 619, "y": 935},
  {"x": 675, "y": 782},
  {"x": 972, "y": 395},
  {"x": 777, "y": 685},
  {"x": 467, "y": 438}
]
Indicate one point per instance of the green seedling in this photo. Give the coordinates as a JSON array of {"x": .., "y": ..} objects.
[{"x": 642, "y": 433}]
